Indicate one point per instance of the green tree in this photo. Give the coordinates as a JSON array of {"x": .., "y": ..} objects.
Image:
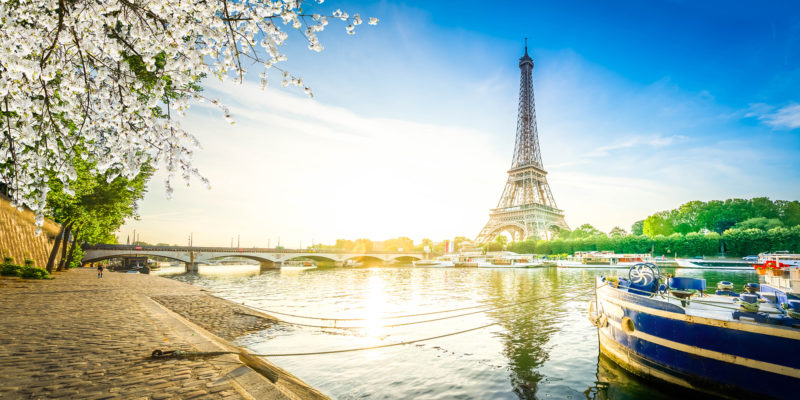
[
  {"x": 762, "y": 223},
  {"x": 637, "y": 228},
  {"x": 363, "y": 245},
  {"x": 344, "y": 244},
  {"x": 687, "y": 217},
  {"x": 423, "y": 243},
  {"x": 617, "y": 232},
  {"x": 493, "y": 246},
  {"x": 559, "y": 246},
  {"x": 658, "y": 224},
  {"x": 585, "y": 231},
  {"x": 789, "y": 212},
  {"x": 559, "y": 232},
  {"x": 544, "y": 247},
  {"x": 458, "y": 241},
  {"x": 743, "y": 242},
  {"x": 527, "y": 246},
  {"x": 402, "y": 242},
  {"x": 94, "y": 208}
]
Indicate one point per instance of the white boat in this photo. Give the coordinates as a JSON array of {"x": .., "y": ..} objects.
[
  {"x": 602, "y": 259},
  {"x": 783, "y": 257},
  {"x": 514, "y": 261},
  {"x": 445, "y": 261},
  {"x": 699, "y": 263},
  {"x": 781, "y": 264},
  {"x": 472, "y": 261}
]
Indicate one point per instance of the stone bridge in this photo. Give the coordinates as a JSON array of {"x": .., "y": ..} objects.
[{"x": 269, "y": 258}]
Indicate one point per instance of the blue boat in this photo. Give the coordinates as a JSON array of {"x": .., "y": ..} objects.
[{"x": 731, "y": 344}]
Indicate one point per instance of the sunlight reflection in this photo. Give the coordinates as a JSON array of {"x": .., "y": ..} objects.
[
  {"x": 375, "y": 309},
  {"x": 229, "y": 270}
]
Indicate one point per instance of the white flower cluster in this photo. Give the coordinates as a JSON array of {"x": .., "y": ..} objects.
[{"x": 99, "y": 79}]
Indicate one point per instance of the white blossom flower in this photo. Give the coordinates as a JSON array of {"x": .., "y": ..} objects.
[{"x": 67, "y": 81}]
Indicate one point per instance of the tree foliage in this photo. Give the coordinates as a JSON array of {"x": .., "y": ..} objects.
[
  {"x": 92, "y": 209},
  {"x": 735, "y": 242},
  {"x": 719, "y": 216},
  {"x": 637, "y": 228},
  {"x": 762, "y": 223},
  {"x": 399, "y": 244},
  {"x": 617, "y": 232}
]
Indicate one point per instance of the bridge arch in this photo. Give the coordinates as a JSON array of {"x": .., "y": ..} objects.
[
  {"x": 239, "y": 255},
  {"x": 405, "y": 258},
  {"x": 315, "y": 257},
  {"x": 97, "y": 258},
  {"x": 365, "y": 259}
]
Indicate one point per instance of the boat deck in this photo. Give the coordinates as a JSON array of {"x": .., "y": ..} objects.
[
  {"x": 723, "y": 309},
  {"x": 717, "y": 307}
]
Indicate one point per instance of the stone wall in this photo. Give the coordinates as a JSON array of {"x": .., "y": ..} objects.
[{"x": 18, "y": 235}]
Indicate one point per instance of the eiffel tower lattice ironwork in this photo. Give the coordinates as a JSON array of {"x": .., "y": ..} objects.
[{"x": 526, "y": 207}]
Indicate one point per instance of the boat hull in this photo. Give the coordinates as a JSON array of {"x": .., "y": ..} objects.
[
  {"x": 657, "y": 340},
  {"x": 704, "y": 264}
]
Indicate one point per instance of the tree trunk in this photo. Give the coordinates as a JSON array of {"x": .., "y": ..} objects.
[
  {"x": 72, "y": 249},
  {"x": 64, "y": 249},
  {"x": 54, "y": 251}
]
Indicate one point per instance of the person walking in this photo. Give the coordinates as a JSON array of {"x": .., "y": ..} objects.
[{"x": 100, "y": 270}]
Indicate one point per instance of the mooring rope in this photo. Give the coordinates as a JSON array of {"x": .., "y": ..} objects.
[
  {"x": 428, "y": 320},
  {"x": 398, "y": 316},
  {"x": 403, "y": 342},
  {"x": 179, "y": 354},
  {"x": 363, "y": 319}
]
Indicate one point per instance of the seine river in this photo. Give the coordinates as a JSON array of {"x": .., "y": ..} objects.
[{"x": 539, "y": 349}]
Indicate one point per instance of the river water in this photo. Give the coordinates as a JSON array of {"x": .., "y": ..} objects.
[{"x": 538, "y": 349}]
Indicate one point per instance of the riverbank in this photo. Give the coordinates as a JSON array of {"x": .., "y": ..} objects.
[{"x": 78, "y": 336}]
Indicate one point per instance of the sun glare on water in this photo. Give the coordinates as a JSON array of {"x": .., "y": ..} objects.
[{"x": 374, "y": 310}]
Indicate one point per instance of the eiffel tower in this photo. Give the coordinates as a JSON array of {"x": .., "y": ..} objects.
[{"x": 526, "y": 208}]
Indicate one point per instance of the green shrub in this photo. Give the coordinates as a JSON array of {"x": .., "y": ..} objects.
[
  {"x": 8, "y": 260},
  {"x": 8, "y": 269},
  {"x": 30, "y": 272},
  {"x": 28, "y": 262}
]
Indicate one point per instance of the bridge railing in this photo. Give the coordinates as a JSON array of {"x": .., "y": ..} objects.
[{"x": 126, "y": 247}]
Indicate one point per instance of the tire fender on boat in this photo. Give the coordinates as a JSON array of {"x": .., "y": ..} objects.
[{"x": 598, "y": 320}]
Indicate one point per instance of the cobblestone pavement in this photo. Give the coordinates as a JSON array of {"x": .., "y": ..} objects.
[
  {"x": 78, "y": 336},
  {"x": 220, "y": 317}
]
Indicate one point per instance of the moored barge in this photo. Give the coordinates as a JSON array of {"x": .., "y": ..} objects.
[{"x": 735, "y": 344}]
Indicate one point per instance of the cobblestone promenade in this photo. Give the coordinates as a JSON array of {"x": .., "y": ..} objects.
[{"x": 78, "y": 336}]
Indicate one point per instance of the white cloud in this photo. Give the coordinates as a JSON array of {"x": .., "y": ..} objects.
[
  {"x": 654, "y": 141},
  {"x": 787, "y": 116}
]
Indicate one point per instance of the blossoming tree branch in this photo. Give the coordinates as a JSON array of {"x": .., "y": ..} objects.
[{"x": 99, "y": 80}]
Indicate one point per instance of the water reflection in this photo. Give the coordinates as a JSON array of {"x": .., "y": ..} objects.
[
  {"x": 541, "y": 349},
  {"x": 526, "y": 327},
  {"x": 615, "y": 383}
]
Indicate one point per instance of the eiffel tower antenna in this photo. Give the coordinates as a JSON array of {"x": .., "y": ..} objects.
[{"x": 526, "y": 207}]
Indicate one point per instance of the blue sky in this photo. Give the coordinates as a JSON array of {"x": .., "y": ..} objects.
[{"x": 641, "y": 106}]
